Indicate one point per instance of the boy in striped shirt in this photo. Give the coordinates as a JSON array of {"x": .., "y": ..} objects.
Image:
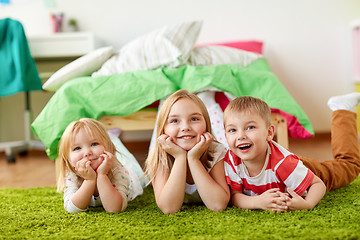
[{"x": 261, "y": 173}]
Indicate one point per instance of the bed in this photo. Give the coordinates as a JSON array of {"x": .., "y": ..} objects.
[{"x": 121, "y": 87}]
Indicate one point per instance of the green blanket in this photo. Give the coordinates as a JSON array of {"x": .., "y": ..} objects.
[{"x": 123, "y": 94}]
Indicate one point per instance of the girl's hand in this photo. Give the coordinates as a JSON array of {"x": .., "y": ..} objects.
[
  {"x": 201, "y": 146},
  {"x": 107, "y": 162},
  {"x": 273, "y": 199},
  {"x": 85, "y": 170},
  {"x": 170, "y": 147},
  {"x": 296, "y": 202}
]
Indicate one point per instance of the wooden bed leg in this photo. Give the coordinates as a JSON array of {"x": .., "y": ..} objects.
[{"x": 281, "y": 130}]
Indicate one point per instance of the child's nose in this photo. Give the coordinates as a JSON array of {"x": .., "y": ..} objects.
[
  {"x": 185, "y": 127},
  {"x": 241, "y": 135},
  {"x": 87, "y": 152}
]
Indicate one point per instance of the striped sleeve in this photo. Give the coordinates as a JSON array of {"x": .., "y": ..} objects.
[
  {"x": 294, "y": 174},
  {"x": 232, "y": 178}
]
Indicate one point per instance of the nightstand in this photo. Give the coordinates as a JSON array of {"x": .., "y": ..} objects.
[{"x": 52, "y": 52}]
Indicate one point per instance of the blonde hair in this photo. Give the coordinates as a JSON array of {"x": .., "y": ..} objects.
[
  {"x": 92, "y": 128},
  {"x": 158, "y": 157},
  {"x": 249, "y": 104}
]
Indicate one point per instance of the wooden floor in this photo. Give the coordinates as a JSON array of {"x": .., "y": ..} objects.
[{"x": 37, "y": 170}]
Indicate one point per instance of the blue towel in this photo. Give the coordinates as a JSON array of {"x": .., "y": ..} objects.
[{"x": 18, "y": 71}]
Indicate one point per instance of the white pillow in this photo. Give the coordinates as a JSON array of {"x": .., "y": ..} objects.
[
  {"x": 83, "y": 66},
  {"x": 214, "y": 55},
  {"x": 169, "y": 46}
]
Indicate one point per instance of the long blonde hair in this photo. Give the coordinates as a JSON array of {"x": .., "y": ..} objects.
[
  {"x": 92, "y": 128},
  {"x": 158, "y": 157}
]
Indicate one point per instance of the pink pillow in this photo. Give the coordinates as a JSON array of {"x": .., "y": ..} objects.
[{"x": 251, "y": 46}]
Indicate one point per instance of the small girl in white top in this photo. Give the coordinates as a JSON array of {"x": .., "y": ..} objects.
[
  {"x": 90, "y": 174},
  {"x": 186, "y": 164}
]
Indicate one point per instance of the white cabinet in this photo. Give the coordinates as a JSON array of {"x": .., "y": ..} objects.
[
  {"x": 52, "y": 52},
  {"x": 61, "y": 45}
]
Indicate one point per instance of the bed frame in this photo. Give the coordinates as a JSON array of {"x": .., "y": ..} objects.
[{"x": 145, "y": 120}]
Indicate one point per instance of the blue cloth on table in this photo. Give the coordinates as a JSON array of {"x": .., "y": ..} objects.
[{"x": 18, "y": 71}]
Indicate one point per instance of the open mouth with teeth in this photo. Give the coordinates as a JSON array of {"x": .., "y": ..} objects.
[
  {"x": 187, "y": 137},
  {"x": 244, "y": 147}
]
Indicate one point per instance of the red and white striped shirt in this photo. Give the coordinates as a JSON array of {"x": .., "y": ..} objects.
[{"x": 282, "y": 169}]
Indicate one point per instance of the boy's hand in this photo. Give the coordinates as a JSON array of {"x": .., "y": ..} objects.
[
  {"x": 273, "y": 199},
  {"x": 201, "y": 146},
  {"x": 296, "y": 202},
  {"x": 107, "y": 162},
  {"x": 169, "y": 146},
  {"x": 85, "y": 170}
]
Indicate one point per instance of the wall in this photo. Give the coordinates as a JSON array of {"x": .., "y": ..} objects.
[{"x": 307, "y": 43}]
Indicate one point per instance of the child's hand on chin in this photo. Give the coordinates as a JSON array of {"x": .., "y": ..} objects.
[
  {"x": 83, "y": 167},
  {"x": 169, "y": 146},
  {"x": 107, "y": 159},
  {"x": 201, "y": 146}
]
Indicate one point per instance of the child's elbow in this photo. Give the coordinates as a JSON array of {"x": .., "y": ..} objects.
[
  {"x": 218, "y": 207},
  {"x": 169, "y": 210},
  {"x": 169, "y": 207},
  {"x": 218, "y": 204},
  {"x": 114, "y": 209},
  {"x": 121, "y": 206},
  {"x": 324, "y": 187},
  {"x": 321, "y": 187}
]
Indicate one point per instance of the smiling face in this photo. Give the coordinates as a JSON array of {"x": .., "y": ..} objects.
[
  {"x": 247, "y": 135},
  {"x": 185, "y": 123},
  {"x": 85, "y": 146}
]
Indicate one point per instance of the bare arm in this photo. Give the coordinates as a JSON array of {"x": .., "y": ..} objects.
[
  {"x": 111, "y": 199},
  {"x": 315, "y": 193},
  {"x": 83, "y": 195},
  {"x": 212, "y": 186},
  {"x": 169, "y": 186}
]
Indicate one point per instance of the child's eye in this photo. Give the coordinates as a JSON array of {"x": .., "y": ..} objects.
[
  {"x": 173, "y": 121},
  {"x": 194, "y": 119},
  {"x": 94, "y": 144},
  {"x": 231, "y": 130},
  {"x": 76, "y": 148},
  {"x": 250, "y": 127}
]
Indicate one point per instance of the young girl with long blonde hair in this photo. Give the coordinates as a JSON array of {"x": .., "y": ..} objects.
[
  {"x": 90, "y": 173},
  {"x": 186, "y": 163}
]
